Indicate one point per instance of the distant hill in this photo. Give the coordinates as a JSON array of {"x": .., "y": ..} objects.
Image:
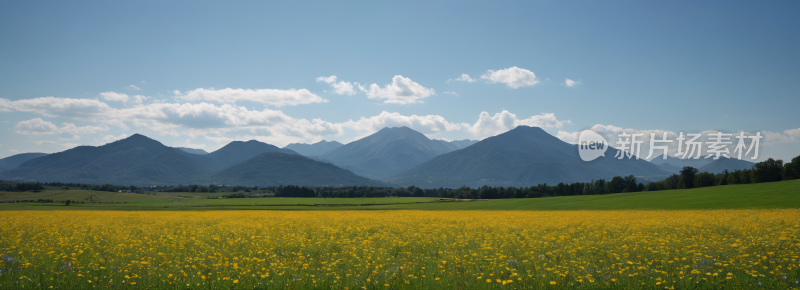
[
  {"x": 456, "y": 144},
  {"x": 274, "y": 168},
  {"x": 193, "y": 151},
  {"x": 670, "y": 168},
  {"x": 681, "y": 163},
  {"x": 387, "y": 152},
  {"x": 13, "y": 161},
  {"x": 126, "y": 161},
  {"x": 238, "y": 151},
  {"x": 524, "y": 156},
  {"x": 460, "y": 144},
  {"x": 315, "y": 149},
  {"x": 731, "y": 164}
]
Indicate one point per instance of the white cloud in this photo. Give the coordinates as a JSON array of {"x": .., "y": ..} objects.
[
  {"x": 13, "y": 151},
  {"x": 571, "y": 83},
  {"x": 35, "y": 126},
  {"x": 340, "y": 88},
  {"x": 139, "y": 99},
  {"x": 428, "y": 125},
  {"x": 343, "y": 88},
  {"x": 488, "y": 126},
  {"x": 451, "y": 93},
  {"x": 134, "y": 88},
  {"x": 463, "y": 78},
  {"x": 113, "y": 96},
  {"x": 142, "y": 82},
  {"x": 329, "y": 80},
  {"x": 68, "y": 131},
  {"x": 45, "y": 142},
  {"x": 272, "y": 97},
  {"x": 177, "y": 119},
  {"x": 62, "y": 107},
  {"x": 776, "y": 137},
  {"x": 513, "y": 77},
  {"x": 401, "y": 91},
  {"x": 793, "y": 132},
  {"x": 112, "y": 138}
]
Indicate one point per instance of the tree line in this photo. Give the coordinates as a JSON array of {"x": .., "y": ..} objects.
[
  {"x": 689, "y": 177},
  {"x": 766, "y": 171},
  {"x": 21, "y": 186}
]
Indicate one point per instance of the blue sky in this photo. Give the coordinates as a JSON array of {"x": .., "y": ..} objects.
[{"x": 201, "y": 74}]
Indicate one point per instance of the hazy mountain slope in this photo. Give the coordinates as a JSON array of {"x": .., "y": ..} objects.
[
  {"x": 731, "y": 164},
  {"x": 681, "y": 163},
  {"x": 193, "y": 151},
  {"x": 387, "y": 152},
  {"x": 460, "y": 144},
  {"x": 315, "y": 149},
  {"x": 524, "y": 156},
  {"x": 448, "y": 145},
  {"x": 13, "y": 161},
  {"x": 669, "y": 168},
  {"x": 457, "y": 144},
  {"x": 274, "y": 168},
  {"x": 238, "y": 151}
]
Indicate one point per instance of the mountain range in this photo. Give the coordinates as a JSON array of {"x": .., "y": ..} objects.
[
  {"x": 139, "y": 160},
  {"x": 523, "y": 156},
  {"x": 399, "y": 156}
]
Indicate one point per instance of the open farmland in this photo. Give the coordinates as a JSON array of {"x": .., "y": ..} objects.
[
  {"x": 711, "y": 249},
  {"x": 784, "y": 194}
]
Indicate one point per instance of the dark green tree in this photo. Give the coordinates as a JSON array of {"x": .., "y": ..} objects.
[
  {"x": 792, "y": 169},
  {"x": 688, "y": 175},
  {"x": 768, "y": 171}
]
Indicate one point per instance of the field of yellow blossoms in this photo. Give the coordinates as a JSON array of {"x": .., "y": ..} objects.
[{"x": 713, "y": 249}]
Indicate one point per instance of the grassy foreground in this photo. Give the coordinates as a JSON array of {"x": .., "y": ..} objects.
[
  {"x": 785, "y": 194},
  {"x": 717, "y": 249}
]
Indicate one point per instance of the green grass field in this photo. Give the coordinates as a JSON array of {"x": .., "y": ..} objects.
[{"x": 785, "y": 194}]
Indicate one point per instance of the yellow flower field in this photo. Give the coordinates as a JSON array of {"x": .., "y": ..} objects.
[{"x": 734, "y": 249}]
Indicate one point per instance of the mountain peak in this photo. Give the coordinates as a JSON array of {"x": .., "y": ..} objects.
[
  {"x": 137, "y": 140},
  {"x": 386, "y": 152},
  {"x": 136, "y": 136},
  {"x": 238, "y": 151},
  {"x": 528, "y": 130},
  {"x": 392, "y": 133}
]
